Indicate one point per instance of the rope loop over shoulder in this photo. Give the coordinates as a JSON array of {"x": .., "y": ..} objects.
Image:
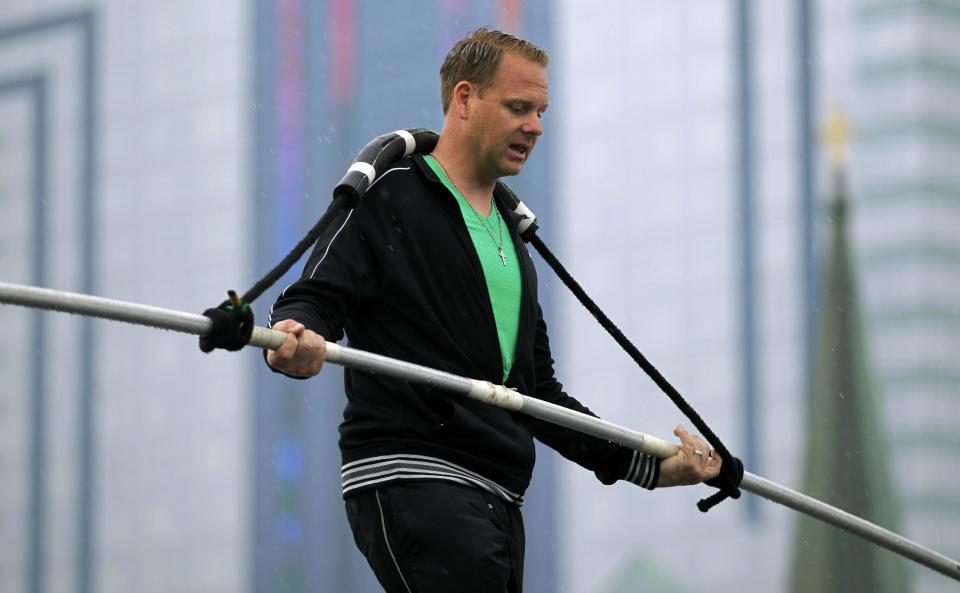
[{"x": 377, "y": 154}]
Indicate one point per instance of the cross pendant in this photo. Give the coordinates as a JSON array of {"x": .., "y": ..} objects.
[{"x": 503, "y": 257}]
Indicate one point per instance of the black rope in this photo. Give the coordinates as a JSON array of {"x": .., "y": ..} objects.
[
  {"x": 732, "y": 469},
  {"x": 232, "y": 320},
  {"x": 341, "y": 202}
]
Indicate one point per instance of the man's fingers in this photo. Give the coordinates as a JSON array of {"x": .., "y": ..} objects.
[
  {"x": 290, "y": 326},
  {"x": 686, "y": 440},
  {"x": 691, "y": 445},
  {"x": 302, "y": 351},
  {"x": 713, "y": 467},
  {"x": 701, "y": 450},
  {"x": 315, "y": 350},
  {"x": 284, "y": 354},
  {"x": 288, "y": 349},
  {"x": 716, "y": 460},
  {"x": 700, "y": 459},
  {"x": 695, "y": 462}
]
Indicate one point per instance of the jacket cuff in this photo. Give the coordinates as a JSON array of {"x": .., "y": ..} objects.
[{"x": 643, "y": 470}]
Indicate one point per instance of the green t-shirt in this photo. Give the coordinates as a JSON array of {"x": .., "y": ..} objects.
[{"x": 503, "y": 281}]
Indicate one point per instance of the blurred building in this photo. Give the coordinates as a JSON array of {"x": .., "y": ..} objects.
[
  {"x": 123, "y": 151},
  {"x": 908, "y": 141},
  {"x": 697, "y": 128}
]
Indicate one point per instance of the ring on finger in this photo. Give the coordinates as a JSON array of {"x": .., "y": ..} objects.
[{"x": 698, "y": 452}]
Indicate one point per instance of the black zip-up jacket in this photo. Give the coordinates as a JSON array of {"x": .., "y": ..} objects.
[{"x": 401, "y": 275}]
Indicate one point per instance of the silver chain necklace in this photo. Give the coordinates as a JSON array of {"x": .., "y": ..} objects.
[{"x": 486, "y": 227}]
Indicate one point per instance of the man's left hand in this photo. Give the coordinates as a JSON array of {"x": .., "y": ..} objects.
[{"x": 693, "y": 463}]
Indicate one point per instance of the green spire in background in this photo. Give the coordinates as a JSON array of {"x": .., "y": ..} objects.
[{"x": 846, "y": 457}]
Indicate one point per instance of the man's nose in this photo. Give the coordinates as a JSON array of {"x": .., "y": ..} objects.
[{"x": 532, "y": 126}]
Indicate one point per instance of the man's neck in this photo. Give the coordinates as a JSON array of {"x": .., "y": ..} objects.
[{"x": 462, "y": 172}]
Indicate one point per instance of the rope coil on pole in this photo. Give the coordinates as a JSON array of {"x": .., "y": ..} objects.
[{"x": 156, "y": 317}]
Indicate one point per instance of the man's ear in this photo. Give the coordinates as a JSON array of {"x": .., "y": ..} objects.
[{"x": 463, "y": 92}]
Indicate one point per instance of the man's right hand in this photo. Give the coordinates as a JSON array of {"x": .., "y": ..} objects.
[{"x": 301, "y": 354}]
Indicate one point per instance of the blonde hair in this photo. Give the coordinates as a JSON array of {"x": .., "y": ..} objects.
[{"x": 476, "y": 57}]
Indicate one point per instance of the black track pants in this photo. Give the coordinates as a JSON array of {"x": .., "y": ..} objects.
[{"x": 438, "y": 537}]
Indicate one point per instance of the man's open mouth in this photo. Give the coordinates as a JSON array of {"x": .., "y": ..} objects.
[{"x": 521, "y": 149}]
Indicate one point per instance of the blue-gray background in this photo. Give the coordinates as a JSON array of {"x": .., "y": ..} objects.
[{"x": 163, "y": 152}]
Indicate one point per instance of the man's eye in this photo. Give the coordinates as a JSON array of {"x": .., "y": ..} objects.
[{"x": 518, "y": 109}]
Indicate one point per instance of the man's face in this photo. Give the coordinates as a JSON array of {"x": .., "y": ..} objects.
[{"x": 505, "y": 123}]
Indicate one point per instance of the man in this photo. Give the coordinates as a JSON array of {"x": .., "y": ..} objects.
[{"x": 429, "y": 268}]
